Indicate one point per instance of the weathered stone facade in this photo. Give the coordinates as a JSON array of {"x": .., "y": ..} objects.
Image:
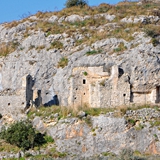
[{"x": 96, "y": 88}]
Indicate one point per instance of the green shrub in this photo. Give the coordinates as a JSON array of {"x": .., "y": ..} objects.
[
  {"x": 23, "y": 135},
  {"x": 156, "y": 137},
  {"x": 131, "y": 121},
  {"x": 103, "y": 8},
  {"x": 121, "y": 47},
  {"x": 48, "y": 139},
  {"x": 155, "y": 42},
  {"x": 56, "y": 44},
  {"x": 93, "y": 52},
  {"x": 85, "y": 73},
  {"x": 63, "y": 62},
  {"x": 71, "y": 3}
]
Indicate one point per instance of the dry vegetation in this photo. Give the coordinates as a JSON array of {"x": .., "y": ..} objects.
[
  {"x": 63, "y": 62},
  {"x": 6, "y": 48},
  {"x": 89, "y": 28},
  {"x": 121, "y": 10},
  {"x": 63, "y": 112}
]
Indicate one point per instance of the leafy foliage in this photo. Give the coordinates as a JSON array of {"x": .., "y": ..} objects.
[
  {"x": 85, "y": 73},
  {"x": 63, "y": 62},
  {"x": 23, "y": 135},
  {"x": 71, "y": 3}
]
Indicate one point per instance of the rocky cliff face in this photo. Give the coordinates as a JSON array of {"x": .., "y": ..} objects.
[
  {"x": 97, "y": 137},
  {"x": 107, "y": 57},
  {"x": 49, "y": 46}
]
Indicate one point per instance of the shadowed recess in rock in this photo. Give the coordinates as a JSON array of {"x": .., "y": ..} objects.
[
  {"x": 29, "y": 91},
  {"x": 38, "y": 100},
  {"x": 54, "y": 101}
]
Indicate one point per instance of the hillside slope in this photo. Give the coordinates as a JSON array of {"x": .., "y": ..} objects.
[
  {"x": 101, "y": 57},
  {"x": 46, "y": 56}
]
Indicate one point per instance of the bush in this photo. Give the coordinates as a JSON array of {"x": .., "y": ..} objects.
[
  {"x": 23, "y": 135},
  {"x": 71, "y": 3},
  {"x": 63, "y": 62}
]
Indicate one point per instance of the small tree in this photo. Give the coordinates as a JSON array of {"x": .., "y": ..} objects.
[
  {"x": 23, "y": 135},
  {"x": 71, "y": 3}
]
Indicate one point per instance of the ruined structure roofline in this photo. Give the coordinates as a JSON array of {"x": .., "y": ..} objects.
[{"x": 141, "y": 91}]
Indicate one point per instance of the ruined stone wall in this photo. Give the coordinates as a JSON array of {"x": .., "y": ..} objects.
[
  {"x": 92, "y": 86},
  {"x": 142, "y": 98},
  {"x": 112, "y": 96},
  {"x": 8, "y": 103},
  {"x": 84, "y": 86},
  {"x": 94, "y": 97}
]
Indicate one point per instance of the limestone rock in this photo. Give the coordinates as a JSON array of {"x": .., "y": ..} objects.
[
  {"x": 73, "y": 18},
  {"x": 53, "y": 19},
  {"x": 39, "y": 125}
]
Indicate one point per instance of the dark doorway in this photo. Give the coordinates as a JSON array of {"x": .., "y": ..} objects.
[
  {"x": 158, "y": 94},
  {"x": 54, "y": 101}
]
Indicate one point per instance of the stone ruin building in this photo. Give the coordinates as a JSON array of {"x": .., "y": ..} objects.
[
  {"x": 96, "y": 88},
  {"x": 91, "y": 86}
]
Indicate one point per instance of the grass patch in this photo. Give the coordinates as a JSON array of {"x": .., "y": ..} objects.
[
  {"x": 50, "y": 111},
  {"x": 6, "y": 48},
  {"x": 132, "y": 122},
  {"x": 40, "y": 47},
  {"x": 139, "y": 127},
  {"x": 6, "y": 147},
  {"x": 63, "y": 62},
  {"x": 55, "y": 154},
  {"x": 156, "y": 137},
  {"x": 155, "y": 123},
  {"x": 56, "y": 44},
  {"x": 143, "y": 106},
  {"x": 97, "y": 111},
  {"x": 108, "y": 154},
  {"x": 93, "y": 52},
  {"x": 63, "y": 112},
  {"x": 121, "y": 47}
]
